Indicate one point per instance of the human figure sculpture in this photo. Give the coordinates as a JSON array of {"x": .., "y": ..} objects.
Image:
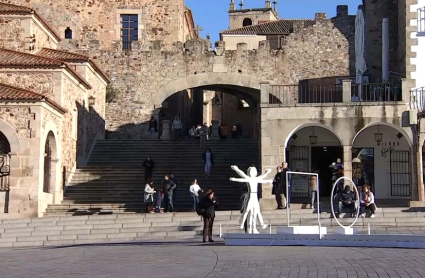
[{"x": 253, "y": 207}]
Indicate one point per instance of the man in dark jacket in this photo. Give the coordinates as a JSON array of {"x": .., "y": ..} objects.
[
  {"x": 148, "y": 164},
  {"x": 279, "y": 186},
  {"x": 168, "y": 188},
  {"x": 347, "y": 198},
  {"x": 207, "y": 207}
]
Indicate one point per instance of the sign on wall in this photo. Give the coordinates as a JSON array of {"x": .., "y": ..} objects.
[{"x": 300, "y": 182}]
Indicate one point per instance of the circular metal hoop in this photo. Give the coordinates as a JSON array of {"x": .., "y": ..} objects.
[{"x": 332, "y": 203}]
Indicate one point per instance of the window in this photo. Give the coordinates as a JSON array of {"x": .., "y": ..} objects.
[
  {"x": 247, "y": 22},
  {"x": 129, "y": 29},
  {"x": 421, "y": 20},
  {"x": 68, "y": 33}
]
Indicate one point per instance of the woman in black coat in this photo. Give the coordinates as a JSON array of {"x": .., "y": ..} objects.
[{"x": 207, "y": 207}]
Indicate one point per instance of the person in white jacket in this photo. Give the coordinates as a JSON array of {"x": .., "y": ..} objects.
[
  {"x": 149, "y": 191},
  {"x": 367, "y": 201},
  {"x": 194, "y": 190}
]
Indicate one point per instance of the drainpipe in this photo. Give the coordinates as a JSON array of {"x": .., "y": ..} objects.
[{"x": 385, "y": 48}]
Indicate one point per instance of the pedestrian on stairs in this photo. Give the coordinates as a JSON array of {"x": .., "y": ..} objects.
[
  {"x": 149, "y": 191},
  {"x": 177, "y": 127},
  {"x": 208, "y": 161},
  {"x": 168, "y": 188},
  {"x": 148, "y": 164},
  {"x": 153, "y": 127},
  {"x": 195, "y": 190},
  {"x": 203, "y": 133},
  {"x": 175, "y": 193}
]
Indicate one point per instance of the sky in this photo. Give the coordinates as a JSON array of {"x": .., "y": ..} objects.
[{"x": 212, "y": 15}]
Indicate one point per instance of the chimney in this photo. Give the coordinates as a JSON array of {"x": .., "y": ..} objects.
[
  {"x": 232, "y": 6},
  {"x": 341, "y": 10},
  {"x": 320, "y": 16},
  {"x": 268, "y": 4}
]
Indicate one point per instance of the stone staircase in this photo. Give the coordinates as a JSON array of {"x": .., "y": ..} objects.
[
  {"x": 113, "y": 181},
  {"x": 65, "y": 229}
]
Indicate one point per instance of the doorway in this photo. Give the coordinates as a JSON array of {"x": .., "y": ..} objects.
[{"x": 321, "y": 159}]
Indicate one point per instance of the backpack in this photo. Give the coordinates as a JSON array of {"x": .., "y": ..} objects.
[{"x": 200, "y": 211}]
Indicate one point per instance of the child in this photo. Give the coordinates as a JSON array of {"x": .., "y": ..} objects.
[{"x": 158, "y": 201}]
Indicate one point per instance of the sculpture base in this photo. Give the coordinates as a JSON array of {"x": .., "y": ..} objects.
[
  {"x": 346, "y": 231},
  {"x": 302, "y": 230},
  {"x": 329, "y": 240}
]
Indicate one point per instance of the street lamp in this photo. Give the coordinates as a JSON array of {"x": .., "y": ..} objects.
[
  {"x": 378, "y": 136},
  {"x": 92, "y": 101},
  {"x": 313, "y": 138}
]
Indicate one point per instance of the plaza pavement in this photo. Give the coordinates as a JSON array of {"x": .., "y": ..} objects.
[{"x": 193, "y": 259}]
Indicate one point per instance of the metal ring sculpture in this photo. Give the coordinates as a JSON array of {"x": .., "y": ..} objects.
[{"x": 332, "y": 202}]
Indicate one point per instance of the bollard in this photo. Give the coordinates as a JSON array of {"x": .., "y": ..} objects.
[
  {"x": 220, "y": 231},
  {"x": 368, "y": 228},
  {"x": 270, "y": 228}
]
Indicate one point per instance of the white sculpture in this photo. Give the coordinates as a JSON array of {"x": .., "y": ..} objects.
[{"x": 253, "y": 206}]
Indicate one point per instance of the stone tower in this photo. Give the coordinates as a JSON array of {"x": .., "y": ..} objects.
[{"x": 246, "y": 17}]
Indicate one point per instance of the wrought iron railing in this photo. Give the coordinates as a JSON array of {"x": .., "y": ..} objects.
[
  {"x": 417, "y": 99},
  {"x": 292, "y": 94},
  {"x": 126, "y": 45},
  {"x": 4, "y": 172},
  {"x": 374, "y": 92}
]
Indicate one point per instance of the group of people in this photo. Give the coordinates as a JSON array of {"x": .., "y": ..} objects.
[
  {"x": 347, "y": 198},
  {"x": 155, "y": 199}
]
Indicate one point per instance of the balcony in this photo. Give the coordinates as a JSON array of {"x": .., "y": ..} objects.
[
  {"x": 417, "y": 99},
  {"x": 347, "y": 92}
]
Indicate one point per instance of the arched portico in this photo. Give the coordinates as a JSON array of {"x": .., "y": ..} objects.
[
  {"x": 313, "y": 147},
  {"x": 12, "y": 137},
  {"x": 382, "y": 158},
  {"x": 50, "y": 163}
]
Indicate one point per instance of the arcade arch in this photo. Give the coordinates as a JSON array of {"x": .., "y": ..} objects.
[
  {"x": 313, "y": 147},
  {"x": 381, "y": 154},
  {"x": 50, "y": 159}
]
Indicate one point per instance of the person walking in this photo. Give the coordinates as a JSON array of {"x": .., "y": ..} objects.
[
  {"x": 168, "y": 189},
  {"x": 149, "y": 191},
  {"x": 153, "y": 127},
  {"x": 208, "y": 161},
  {"x": 284, "y": 196},
  {"x": 177, "y": 127},
  {"x": 206, "y": 209},
  {"x": 203, "y": 133},
  {"x": 175, "y": 191},
  {"x": 194, "y": 190},
  {"x": 148, "y": 164}
]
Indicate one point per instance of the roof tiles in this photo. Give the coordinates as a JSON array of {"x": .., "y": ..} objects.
[{"x": 283, "y": 26}]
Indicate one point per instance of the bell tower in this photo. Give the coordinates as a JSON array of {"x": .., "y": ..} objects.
[{"x": 243, "y": 17}]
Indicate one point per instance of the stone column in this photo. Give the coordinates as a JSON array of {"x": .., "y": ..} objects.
[
  {"x": 264, "y": 91},
  {"x": 165, "y": 130},
  {"x": 348, "y": 162},
  {"x": 214, "y": 132},
  {"x": 346, "y": 90}
]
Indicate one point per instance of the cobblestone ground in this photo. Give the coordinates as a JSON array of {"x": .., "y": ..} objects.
[{"x": 216, "y": 260}]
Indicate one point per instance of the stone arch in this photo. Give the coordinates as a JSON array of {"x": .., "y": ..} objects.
[
  {"x": 205, "y": 80},
  {"x": 399, "y": 129},
  {"x": 12, "y": 137},
  {"x": 50, "y": 160},
  {"x": 246, "y": 22},
  {"x": 298, "y": 128}
]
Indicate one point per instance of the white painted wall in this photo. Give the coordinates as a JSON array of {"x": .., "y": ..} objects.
[
  {"x": 366, "y": 139},
  {"x": 231, "y": 41},
  {"x": 419, "y": 60}
]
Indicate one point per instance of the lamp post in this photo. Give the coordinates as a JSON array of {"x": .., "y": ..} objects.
[
  {"x": 313, "y": 138},
  {"x": 378, "y": 136}
]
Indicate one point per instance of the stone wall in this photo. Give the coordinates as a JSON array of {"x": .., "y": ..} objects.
[
  {"x": 41, "y": 38},
  {"x": 24, "y": 178},
  {"x": 42, "y": 83},
  {"x": 10, "y": 33},
  {"x": 160, "y": 19},
  {"x": 323, "y": 50}
]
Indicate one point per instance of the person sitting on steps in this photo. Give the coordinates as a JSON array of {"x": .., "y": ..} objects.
[
  {"x": 347, "y": 198},
  {"x": 367, "y": 202}
]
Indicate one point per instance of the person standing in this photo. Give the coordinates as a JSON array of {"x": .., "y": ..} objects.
[
  {"x": 149, "y": 191},
  {"x": 153, "y": 127},
  {"x": 314, "y": 190},
  {"x": 284, "y": 196},
  {"x": 194, "y": 190},
  {"x": 224, "y": 130},
  {"x": 148, "y": 164},
  {"x": 208, "y": 161},
  {"x": 243, "y": 202},
  {"x": 192, "y": 133},
  {"x": 175, "y": 191},
  {"x": 203, "y": 133},
  {"x": 177, "y": 127},
  {"x": 206, "y": 208},
  {"x": 276, "y": 189},
  {"x": 168, "y": 189}
]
